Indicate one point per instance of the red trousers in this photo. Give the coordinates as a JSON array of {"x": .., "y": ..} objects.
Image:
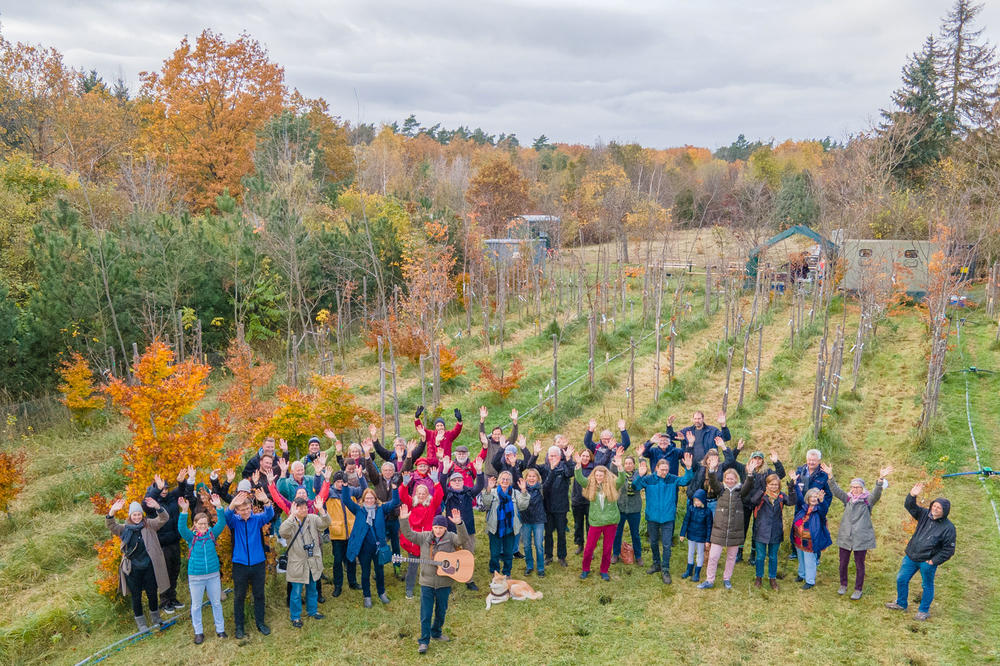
[{"x": 593, "y": 534}]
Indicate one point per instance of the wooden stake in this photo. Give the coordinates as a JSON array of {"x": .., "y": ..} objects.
[{"x": 555, "y": 371}]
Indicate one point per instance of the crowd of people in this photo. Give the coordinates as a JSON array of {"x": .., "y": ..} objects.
[{"x": 422, "y": 499}]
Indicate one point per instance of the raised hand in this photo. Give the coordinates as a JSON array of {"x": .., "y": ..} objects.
[
  {"x": 774, "y": 457},
  {"x": 411, "y": 446},
  {"x": 327, "y": 472},
  {"x": 714, "y": 464},
  {"x": 367, "y": 446},
  {"x": 522, "y": 442},
  {"x": 592, "y": 425},
  {"x": 283, "y": 466},
  {"x": 522, "y": 484},
  {"x": 422, "y": 432},
  {"x": 151, "y": 503},
  {"x": 116, "y": 506},
  {"x": 483, "y": 413},
  {"x": 372, "y": 431},
  {"x": 420, "y": 410},
  {"x": 230, "y": 475},
  {"x": 753, "y": 465},
  {"x": 641, "y": 449},
  {"x": 885, "y": 471},
  {"x": 458, "y": 415},
  {"x": 255, "y": 477},
  {"x": 183, "y": 504},
  {"x": 670, "y": 419},
  {"x": 283, "y": 444},
  {"x": 643, "y": 467},
  {"x": 618, "y": 460},
  {"x": 338, "y": 447},
  {"x": 239, "y": 497},
  {"x": 569, "y": 453},
  {"x": 190, "y": 471},
  {"x": 719, "y": 444},
  {"x": 826, "y": 468},
  {"x": 331, "y": 435},
  {"x": 478, "y": 465},
  {"x": 404, "y": 511},
  {"x": 917, "y": 489},
  {"x": 492, "y": 482},
  {"x": 270, "y": 478},
  {"x": 793, "y": 477},
  {"x": 259, "y": 494},
  {"x": 216, "y": 501},
  {"x": 574, "y": 455},
  {"x": 722, "y": 419},
  {"x": 739, "y": 443},
  {"x": 158, "y": 481},
  {"x": 688, "y": 460},
  {"x": 513, "y": 416},
  {"x": 690, "y": 438},
  {"x": 621, "y": 424},
  {"x": 445, "y": 464},
  {"x": 321, "y": 459},
  {"x": 181, "y": 474},
  {"x": 455, "y": 517},
  {"x": 538, "y": 446}
]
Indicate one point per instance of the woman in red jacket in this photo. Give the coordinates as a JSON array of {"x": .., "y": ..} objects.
[
  {"x": 423, "y": 508},
  {"x": 438, "y": 439}
]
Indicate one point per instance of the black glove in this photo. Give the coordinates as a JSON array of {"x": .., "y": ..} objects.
[
  {"x": 458, "y": 415},
  {"x": 420, "y": 410}
]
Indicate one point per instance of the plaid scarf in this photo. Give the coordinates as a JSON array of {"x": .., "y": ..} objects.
[{"x": 505, "y": 512}]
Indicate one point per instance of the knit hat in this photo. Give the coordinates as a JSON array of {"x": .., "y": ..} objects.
[
  {"x": 133, "y": 507},
  {"x": 440, "y": 521},
  {"x": 757, "y": 454},
  {"x": 438, "y": 420},
  {"x": 859, "y": 482},
  {"x": 201, "y": 486},
  {"x": 456, "y": 475},
  {"x": 422, "y": 461},
  {"x": 337, "y": 476},
  {"x": 244, "y": 486},
  {"x": 314, "y": 439},
  {"x": 510, "y": 450},
  {"x": 462, "y": 448}
]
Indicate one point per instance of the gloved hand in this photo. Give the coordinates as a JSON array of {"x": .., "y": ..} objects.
[
  {"x": 420, "y": 410},
  {"x": 458, "y": 415}
]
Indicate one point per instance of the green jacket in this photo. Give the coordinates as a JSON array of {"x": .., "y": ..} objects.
[{"x": 609, "y": 513}]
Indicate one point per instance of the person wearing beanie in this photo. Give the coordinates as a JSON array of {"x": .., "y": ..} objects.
[
  {"x": 203, "y": 565},
  {"x": 533, "y": 522},
  {"x": 423, "y": 505},
  {"x": 557, "y": 479},
  {"x": 661, "y": 511},
  {"x": 932, "y": 544},
  {"x": 459, "y": 496},
  {"x": 168, "y": 536},
  {"x": 601, "y": 489},
  {"x": 439, "y": 439},
  {"x": 367, "y": 543},
  {"x": 767, "y": 504},
  {"x": 142, "y": 568},
  {"x": 605, "y": 450},
  {"x": 502, "y": 503},
  {"x": 856, "y": 532},
  {"x": 302, "y": 531},
  {"x": 420, "y": 474},
  {"x": 696, "y": 528},
  {"x": 434, "y": 589},
  {"x": 495, "y": 441},
  {"x": 809, "y": 531}
]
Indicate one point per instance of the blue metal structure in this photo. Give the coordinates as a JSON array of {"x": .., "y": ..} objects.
[{"x": 829, "y": 248}]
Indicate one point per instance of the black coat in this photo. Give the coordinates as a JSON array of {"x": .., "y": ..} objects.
[
  {"x": 556, "y": 484},
  {"x": 701, "y": 481},
  {"x": 535, "y": 513},
  {"x": 932, "y": 540},
  {"x": 768, "y": 521},
  {"x": 730, "y": 461},
  {"x": 577, "y": 498},
  {"x": 500, "y": 464},
  {"x": 462, "y": 500},
  {"x": 168, "y": 534}
]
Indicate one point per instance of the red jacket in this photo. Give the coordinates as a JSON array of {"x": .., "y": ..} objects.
[
  {"x": 421, "y": 517},
  {"x": 433, "y": 444}
]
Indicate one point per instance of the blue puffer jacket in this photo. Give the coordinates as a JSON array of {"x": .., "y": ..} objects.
[
  {"x": 661, "y": 495},
  {"x": 815, "y": 522},
  {"x": 202, "y": 558},
  {"x": 248, "y": 542},
  {"x": 672, "y": 454},
  {"x": 697, "y": 524}
]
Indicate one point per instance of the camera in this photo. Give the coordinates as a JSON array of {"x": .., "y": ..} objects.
[{"x": 309, "y": 547}]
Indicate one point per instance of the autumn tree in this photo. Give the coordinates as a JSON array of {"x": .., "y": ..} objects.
[
  {"x": 497, "y": 193},
  {"x": 79, "y": 392},
  {"x": 204, "y": 108},
  {"x": 244, "y": 396},
  {"x": 11, "y": 478},
  {"x": 499, "y": 381}
]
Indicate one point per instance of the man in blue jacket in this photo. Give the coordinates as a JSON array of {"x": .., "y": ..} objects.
[
  {"x": 604, "y": 451},
  {"x": 811, "y": 475},
  {"x": 699, "y": 437},
  {"x": 249, "y": 567},
  {"x": 661, "y": 511}
]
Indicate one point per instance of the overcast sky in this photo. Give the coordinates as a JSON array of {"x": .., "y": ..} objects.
[{"x": 659, "y": 72}]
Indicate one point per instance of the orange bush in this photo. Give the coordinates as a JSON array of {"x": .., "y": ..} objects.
[
  {"x": 407, "y": 337},
  {"x": 502, "y": 384},
  {"x": 244, "y": 395},
  {"x": 77, "y": 386},
  {"x": 448, "y": 364},
  {"x": 11, "y": 478}
]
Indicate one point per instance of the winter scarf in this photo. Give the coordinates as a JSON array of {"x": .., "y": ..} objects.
[{"x": 505, "y": 512}]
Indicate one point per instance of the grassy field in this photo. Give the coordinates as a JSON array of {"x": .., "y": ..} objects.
[{"x": 51, "y": 612}]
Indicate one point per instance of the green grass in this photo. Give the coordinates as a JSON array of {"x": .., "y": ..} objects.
[{"x": 53, "y": 614}]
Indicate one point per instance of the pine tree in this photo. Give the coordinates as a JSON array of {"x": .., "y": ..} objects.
[
  {"x": 967, "y": 68},
  {"x": 923, "y": 116}
]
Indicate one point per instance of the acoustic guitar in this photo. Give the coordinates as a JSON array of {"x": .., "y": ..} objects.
[{"x": 457, "y": 565}]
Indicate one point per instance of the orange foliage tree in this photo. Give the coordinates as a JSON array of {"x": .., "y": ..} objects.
[
  {"x": 11, "y": 478},
  {"x": 156, "y": 404},
  {"x": 77, "y": 386},
  {"x": 244, "y": 397},
  {"x": 302, "y": 414},
  {"x": 205, "y": 107},
  {"x": 502, "y": 383},
  {"x": 407, "y": 337},
  {"x": 449, "y": 366},
  {"x": 497, "y": 193}
]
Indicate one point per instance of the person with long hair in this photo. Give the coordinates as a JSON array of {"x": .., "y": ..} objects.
[
  {"x": 142, "y": 568},
  {"x": 203, "y": 564},
  {"x": 368, "y": 537},
  {"x": 503, "y": 522},
  {"x": 601, "y": 489}
]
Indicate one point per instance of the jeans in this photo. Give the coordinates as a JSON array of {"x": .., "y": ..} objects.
[
  {"x": 533, "y": 533},
  {"x": 661, "y": 536},
  {"x": 556, "y": 522},
  {"x": 502, "y": 553},
  {"x": 172, "y": 558},
  {"x": 243, "y": 577},
  {"x": 859, "y": 565},
  {"x": 198, "y": 586},
  {"x": 581, "y": 521},
  {"x": 907, "y": 570},
  {"x": 340, "y": 562},
  {"x": 295, "y": 604},
  {"x": 139, "y": 581},
  {"x": 696, "y": 553},
  {"x": 633, "y": 527},
  {"x": 714, "y": 554},
  {"x": 392, "y": 534},
  {"x": 807, "y": 565},
  {"x": 433, "y": 602},
  {"x": 412, "y": 569},
  {"x": 605, "y": 532},
  {"x": 769, "y": 550},
  {"x": 368, "y": 559}
]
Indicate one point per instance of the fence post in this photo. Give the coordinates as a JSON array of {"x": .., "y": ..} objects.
[
  {"x": 381, "y": 386},
  {"x": 555, "y": 371},
  {"x": 592, "y": 339},
  {"x": 631, "y": 378}
]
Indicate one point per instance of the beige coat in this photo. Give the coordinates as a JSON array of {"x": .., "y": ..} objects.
[
  {"x": 152, "y": 543},
  {"x": 300, "y": 565}
]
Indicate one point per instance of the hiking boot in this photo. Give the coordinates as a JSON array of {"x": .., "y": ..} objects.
[
  {"x": 562, "y": 562},
  {"x": 892, "y": 605},
  {"x": 842, "y": 590},
  {"x": 548, "y": 560},
  {"x": 614, "y": 559},
  {"x": 239, "y": 633},
  {"x": 337, "y": 591},
  {"x": 384, "y": 598},
  {"x": 264, "y": 629},
  {"x": 638, "y": 561},
  {"x": 199, "y": 639},
  {"x": 320, "y": 599},
  {"x": 154, "y": 619},
  {"x": 757, "y": 582},
  {"x": 666, "y": 578},
  {"x": 921, "y": 616},
  {"x": 140, "y": 622},
  {"x": 471, "y": 585},
  {"x": 655, "y": 568},
  {"x": 422, "y": 648},
  {"x": 687, "y": 572},
  {"x": 774, "y": 584},
  {"x": 855, "y": 595},
  {"x": 368, "y": 602}
]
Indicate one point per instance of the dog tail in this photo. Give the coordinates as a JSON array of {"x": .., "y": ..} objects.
[{"x": 536, "y": 595}]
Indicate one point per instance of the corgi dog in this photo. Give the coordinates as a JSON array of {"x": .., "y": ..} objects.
[{"x": 503, "y": 588}]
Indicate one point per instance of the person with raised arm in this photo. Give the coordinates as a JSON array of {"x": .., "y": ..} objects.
[
  {"x": 249, "y": 566},
  {"x": 699, "y": 437},
  {"x": 367, "y": 543},
  {"x": 439, "y": 439},
  {"x": 302, "y": 531},
  {"x": 203, "y": 565},
  {"x": 557, "y": 480},
  {"x": 767, "y": 504},
  {"x": 142, "y": 568},
  {"x": 809, "y": 531},
  {"x": 661, "y": 510},
  {"x": 607, "y": 448},
  {"x": 458, "y": 495},
  {"x": 727, "y": 526},
  {"x": 495, "y": 441},
  {"x": 601, "y": 489},
  {"x": 502, "y": 503}
]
